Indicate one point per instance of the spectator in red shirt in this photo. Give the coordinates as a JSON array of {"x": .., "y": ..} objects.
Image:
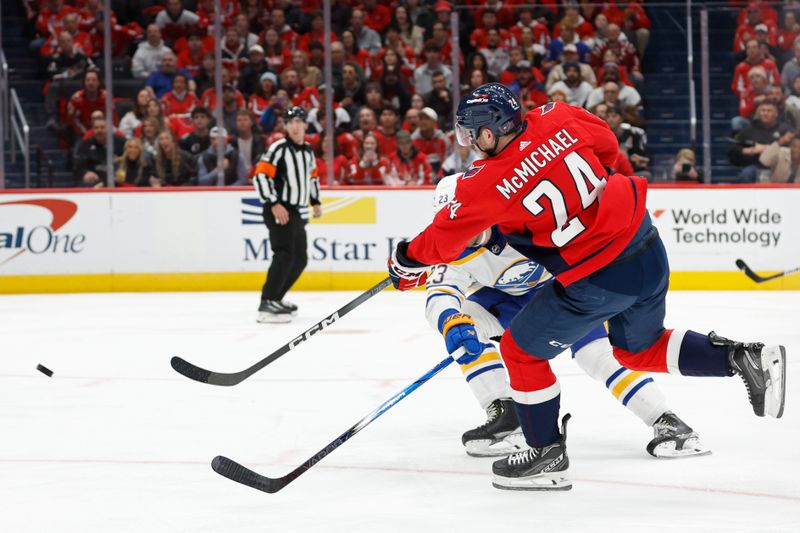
[
  {"x": 747, "y": 30},
  {"x": 754, "y": 58},
  {"x": 541, "y": 35},
  {"x": 285, "y": 32},
  {"x": 81, "y": 105},
  {"x": 503, "y": 14},
  {"x": 305, "y": 97},
  {"x": 787, "y": 35},
  {"x": 758, "y": 91},
  {"x": 278, "y": 56},
  {"x": 584, "y": 28},
  {"x": 317, "y": 32},
  {"x": 430, "y": 139},
  {"x": 355, "y": 54},
  {"x": 392, "y": 41},
  {"x": 192, "y": 57},
  {"x": 261, "y": 99},
  {"x": 409, "y": 166},
  {"x": 624, "y": 50},
  {"x": 179, "y": 101},
  {"x": 480, "y": 36},
  {"x": 387, "y": 130},
  {"x": 369, "y": 167},
  {"x": 341, "y": 165},
  {"x": 81, "y": 39},
  {"x": 530, "y": 90},
  {"x": 376, "y": 16},
  {"x": 209, "y": 96}
]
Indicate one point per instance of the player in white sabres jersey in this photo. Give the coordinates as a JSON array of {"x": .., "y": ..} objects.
[{"x": 472, "y": 300}]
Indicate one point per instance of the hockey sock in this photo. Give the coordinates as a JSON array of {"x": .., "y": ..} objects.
[
  {"x": 535, "y": 391},
  {"x": 486, "y": 377},
  {"x": 635, "y": 390},
  {"x": 680, "y": 352}
]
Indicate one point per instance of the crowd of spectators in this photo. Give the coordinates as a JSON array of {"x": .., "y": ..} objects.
[
  {"x": 392, "y": 81},
  {"x": 766, "y": 82}
]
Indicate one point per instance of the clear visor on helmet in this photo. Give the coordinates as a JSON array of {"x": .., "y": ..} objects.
[{"x": 464, "y": 136}]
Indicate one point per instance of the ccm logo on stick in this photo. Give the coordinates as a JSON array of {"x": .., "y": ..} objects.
[{"x": 315, "y": 329}]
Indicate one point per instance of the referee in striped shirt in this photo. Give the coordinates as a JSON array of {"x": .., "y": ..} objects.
[{"x": 286, "y": 179}]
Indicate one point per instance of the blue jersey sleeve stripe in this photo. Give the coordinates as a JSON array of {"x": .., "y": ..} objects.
[{"x": 635, "y": 389}]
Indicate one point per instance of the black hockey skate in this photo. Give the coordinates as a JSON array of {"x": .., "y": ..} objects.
[
  {"x": 288, "y": 305},
  {"x": 270, "y": 312},
  {"x": 499, "y": 435},
  {"x": 763, "y": 370},
  {"x": 535, "y": 468},
  {"x": 675, "y": 439}
]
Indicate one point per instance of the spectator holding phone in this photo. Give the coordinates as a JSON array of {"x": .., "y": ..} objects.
[{"x": 685, "y": 168}]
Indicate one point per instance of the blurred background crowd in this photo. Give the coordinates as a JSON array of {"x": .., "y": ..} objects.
[{"x": 393, "y": 83}]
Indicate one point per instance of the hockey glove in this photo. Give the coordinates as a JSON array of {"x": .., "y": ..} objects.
[
  {"x": 405, "y": 272},
  {"x": 459, "y": 331}
]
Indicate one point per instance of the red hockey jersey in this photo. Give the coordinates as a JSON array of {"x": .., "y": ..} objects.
[{"x": 549, "y": 193}]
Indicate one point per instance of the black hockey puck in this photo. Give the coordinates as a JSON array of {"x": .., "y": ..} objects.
[{"x": 44, "y": 370}]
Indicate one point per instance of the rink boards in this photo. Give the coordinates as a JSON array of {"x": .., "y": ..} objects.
[{"x": 211, "y": 239}]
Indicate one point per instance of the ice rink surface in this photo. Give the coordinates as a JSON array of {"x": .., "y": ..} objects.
[{"x": 116, "y": 441}]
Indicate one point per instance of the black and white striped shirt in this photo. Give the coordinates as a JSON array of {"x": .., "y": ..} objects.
[{"x": 287, "y": 174}]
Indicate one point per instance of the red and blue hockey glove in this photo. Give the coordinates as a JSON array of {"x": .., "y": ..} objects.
[
  {"x": 459, "y": 332},
  {"x": 405, "y": 272}
]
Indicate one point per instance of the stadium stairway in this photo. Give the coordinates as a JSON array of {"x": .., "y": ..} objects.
[
  {"x": 666, "y": 91},
  {"x": 48, "y": 162}
]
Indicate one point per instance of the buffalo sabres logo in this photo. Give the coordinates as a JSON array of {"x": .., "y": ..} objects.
[{"x": 521, "y": 273}]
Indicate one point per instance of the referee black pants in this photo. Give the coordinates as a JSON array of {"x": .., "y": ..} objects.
[{"x": 289, "y": 254}]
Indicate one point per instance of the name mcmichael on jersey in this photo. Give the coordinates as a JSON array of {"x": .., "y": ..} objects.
[{"x": 536, "y": 160}]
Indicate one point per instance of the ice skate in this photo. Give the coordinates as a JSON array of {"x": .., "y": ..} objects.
[
  {"x": 269, "y": 312},
  {"x": 292, "y": 308},
  {"x": 674, "y": 439},
  {"x": 763, "y": 370},
  {"x": 535, "y": 468},
  {"x": 499, "y": 435}
]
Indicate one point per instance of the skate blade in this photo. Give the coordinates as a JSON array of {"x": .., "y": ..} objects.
[
  {"x": 669, "y": 449},
  {"x": 773, "y": 361},
  {"x": 551, "y": 481},
  {"x": 515, "y": 442},
  {"x": 269, "y": 318}
]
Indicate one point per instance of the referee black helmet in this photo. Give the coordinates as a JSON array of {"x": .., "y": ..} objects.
[{"x": 294, "y": 112}]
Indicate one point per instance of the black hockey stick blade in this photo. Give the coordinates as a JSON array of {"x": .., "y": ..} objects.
[
  {"x": 741, "y": 265},
  {"x": 192, "y": 371},
  {"x": 240, "y": 474}
]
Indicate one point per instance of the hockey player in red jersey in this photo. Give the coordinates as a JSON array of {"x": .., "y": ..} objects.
[{"x": 546, "y": 182}]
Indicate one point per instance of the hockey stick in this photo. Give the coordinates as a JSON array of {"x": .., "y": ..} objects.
[
  {"x": 761, "y": 279},
  {"x": 241, "y": 474},
  {"x": 202, "y": 375}
]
